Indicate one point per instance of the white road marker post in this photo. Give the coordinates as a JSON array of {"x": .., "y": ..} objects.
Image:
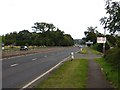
[
  {"x": 72, "y": 56},
  {"x": 81, "y": 49}
]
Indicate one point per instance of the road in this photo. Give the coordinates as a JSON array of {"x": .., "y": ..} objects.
[{"x": 19, "y": 71}]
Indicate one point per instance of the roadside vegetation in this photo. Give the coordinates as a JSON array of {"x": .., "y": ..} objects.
[
  {"x": 83, "y": 51},
  {"x": 0, "y": 42},
  {"x": 44, "y": 34},
  {"x": 72, "y": 74},
  {"x": 95, "y": 51},
  {"x": 17, "y": 48},
  {"x": 111, "y": 59},
  {"x": 111, "y": 73}
]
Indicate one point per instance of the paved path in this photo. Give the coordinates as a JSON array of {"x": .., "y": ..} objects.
[{"x": 96, "y": 78}]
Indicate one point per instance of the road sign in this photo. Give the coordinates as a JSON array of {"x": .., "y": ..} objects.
[
  {"x": 101, "y": 39},
  {"x": 89, "y": 42}
]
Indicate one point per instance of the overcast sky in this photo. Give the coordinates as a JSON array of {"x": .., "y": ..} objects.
[{"x": 71, "y": 16}]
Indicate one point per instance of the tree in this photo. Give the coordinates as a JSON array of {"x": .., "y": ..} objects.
[
  {"x": 91, "y": 29},
  {"x": 42, "y": 27},
  {"x": 24, "y": 38},
  {"x": 91, "y": 34},
  {"x": 10, "y": 39},
  {"x": 111, "y": 40},
  {"x": 112, "y": 22}
]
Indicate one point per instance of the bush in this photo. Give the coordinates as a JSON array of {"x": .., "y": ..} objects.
[
  {"x": 99, "y": 47},
  {"x": 113, "y": 56}
]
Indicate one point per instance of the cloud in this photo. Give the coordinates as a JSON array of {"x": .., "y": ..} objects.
[{"x": 71, "y": 16}]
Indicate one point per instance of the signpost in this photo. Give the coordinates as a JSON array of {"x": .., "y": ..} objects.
[
  {"x": 102, "y": 40},
  {"x": 89, "y": 43}
]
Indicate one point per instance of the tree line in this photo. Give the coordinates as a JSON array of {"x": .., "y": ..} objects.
[
  {"x": 110, "y": 22},
  {"x": 44, "y": 34}
]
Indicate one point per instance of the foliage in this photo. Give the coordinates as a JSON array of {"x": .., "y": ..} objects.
[
  {"x": 42, "y": 27},
  {"x": 112, "y": 22},
  {"x": 111, "y": 74},
  {"x": 9, "y": 39},
  {"x": 111, "y": 40},
  {"x": 99, "y": 47},
  {"x": 113, "y": 56},
  {"x": 45, "y": 35},
  {"x": 0, "y": 42},
  {"x": 23, "y": 38},
  {"x": 118, "y": 41},
  {"x": 95, "y": 51},
  {"x": 91, "y": 34},
  {"x": 83, "y": 51}
]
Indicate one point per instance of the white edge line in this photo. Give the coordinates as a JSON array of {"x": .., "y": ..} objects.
[{"x": 30, "y": 83}]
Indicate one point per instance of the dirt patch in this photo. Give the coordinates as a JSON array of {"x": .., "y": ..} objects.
[{"x": 7, "y": 54}]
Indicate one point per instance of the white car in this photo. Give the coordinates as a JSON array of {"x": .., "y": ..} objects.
[{"x": 23, "y": 48}]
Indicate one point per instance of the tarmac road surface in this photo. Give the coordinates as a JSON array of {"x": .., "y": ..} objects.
[{"x": 17, "y": 72}]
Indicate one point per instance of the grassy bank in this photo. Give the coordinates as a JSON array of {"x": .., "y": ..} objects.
[
  {"x": 84, "y": 51},
  {"x": 95, "y": 52},
  {"x": 17, "y": 48},
  {"x": 72, "y": 74},
  {"x": 110, "y": 73}
]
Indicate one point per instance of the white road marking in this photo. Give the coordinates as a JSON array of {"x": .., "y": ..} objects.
[
  {"x": 19, "y": 56},
  {"x": 14, "y": 65},
  {"x": 34, "y": 59},
  {"x": 45, "y": 56},
  {"x": 30, "y": 83}
]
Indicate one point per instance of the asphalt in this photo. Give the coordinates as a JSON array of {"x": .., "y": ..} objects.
[
  {"x": 17, "y": 72},
  {"x": 96, "y": 79}
]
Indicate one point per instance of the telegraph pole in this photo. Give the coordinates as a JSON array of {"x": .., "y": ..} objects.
[{"x": 104, "y": 42}]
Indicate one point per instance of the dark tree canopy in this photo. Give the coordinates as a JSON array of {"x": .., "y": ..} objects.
[
  {"x": 43, "y": 27},
  {"x": 44, "y": 34},
  {"x": 112, "y": 22}
]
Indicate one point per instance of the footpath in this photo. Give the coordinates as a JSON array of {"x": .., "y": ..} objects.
[{"x": 96, "y": 78}]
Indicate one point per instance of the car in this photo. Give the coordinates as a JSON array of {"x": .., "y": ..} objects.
[
  {"x": 80, "y": 46},
  {"x": 23, "y": 48}
]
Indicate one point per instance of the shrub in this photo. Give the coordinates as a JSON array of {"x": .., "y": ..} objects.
[
  {"x": 99, "y": 47},
  {"x": 113, "y": 56}
]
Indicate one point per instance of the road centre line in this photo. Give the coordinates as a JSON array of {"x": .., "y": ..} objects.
[
  {"x": 34, "y": 59},
  {"x": 14, "y": 65},
  {"x": 45, "y": 56},
  {"x": 18, "y": 56},
  {"x": 33, "y": 81}
]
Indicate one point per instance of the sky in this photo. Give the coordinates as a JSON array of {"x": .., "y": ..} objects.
[{"x": 71, "y": 16}]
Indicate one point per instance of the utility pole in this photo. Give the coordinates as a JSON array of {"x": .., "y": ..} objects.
[{"x": 104, "y": 42}]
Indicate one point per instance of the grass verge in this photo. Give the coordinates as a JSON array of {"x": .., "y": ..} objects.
[
  {"x": 110, "y": 73},
  {"x": 83, "y": 51},
  {"x": 72, "y": 74},
  {"x": 95, "y": 51}
]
